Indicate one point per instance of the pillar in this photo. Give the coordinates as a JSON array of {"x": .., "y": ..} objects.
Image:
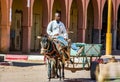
[
  {"x": 5, "y": 27},
  {"x": 81, "y": 35},
  {"x": 26, "y": 39},
  {"x": 27, "y": 24},
  {"x": 5, "y": 38}
]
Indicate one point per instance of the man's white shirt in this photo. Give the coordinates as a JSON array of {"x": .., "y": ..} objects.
[{"x": 57, "y": 28}]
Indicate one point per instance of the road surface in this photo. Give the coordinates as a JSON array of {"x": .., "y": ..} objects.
[{"x": 37, "y": 72}]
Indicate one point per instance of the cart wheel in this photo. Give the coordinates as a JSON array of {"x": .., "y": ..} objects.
[{"x": 94, "y": 70}]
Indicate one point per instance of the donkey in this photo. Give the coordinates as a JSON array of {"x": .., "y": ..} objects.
[{"x": 55, "y": 58}]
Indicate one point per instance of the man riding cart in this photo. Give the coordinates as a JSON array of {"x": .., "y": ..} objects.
[{"x": 57, "y": 31}]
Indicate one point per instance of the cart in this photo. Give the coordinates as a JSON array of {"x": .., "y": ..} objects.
[{"x": 88, "y": 58}]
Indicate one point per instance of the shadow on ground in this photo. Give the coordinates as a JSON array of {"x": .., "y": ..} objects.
[
  {"x": 89, "y": 80},
  {"x": 79, "y": 80},
  {"x": 24, "y": 64}
]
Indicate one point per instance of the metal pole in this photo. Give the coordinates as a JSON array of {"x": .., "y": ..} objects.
[{"x": 109, "y": 34}]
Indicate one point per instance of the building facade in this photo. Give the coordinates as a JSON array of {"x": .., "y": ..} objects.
[{"x": 22, "y": 20}]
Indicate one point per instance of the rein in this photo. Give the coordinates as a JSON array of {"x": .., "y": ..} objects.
[
  {"x": 47, "y": 47},
  {"x": 52, "y": 51}
]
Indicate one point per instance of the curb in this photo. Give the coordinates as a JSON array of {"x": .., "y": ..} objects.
[
  {"x": 35, "y": 57},
  {"x": 16, "y": 57},
  {"x": 10, "y": 57},
  {"x": 13, "y": 57}
]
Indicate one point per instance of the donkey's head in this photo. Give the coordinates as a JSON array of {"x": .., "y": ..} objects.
[{"x": 45, "y": 42}]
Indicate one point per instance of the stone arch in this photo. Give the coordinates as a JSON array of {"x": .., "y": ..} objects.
[
  {"x": 76, "y": 19},
  {"x": 39, "y": 22},
  {"x": 118, "y": 28},
  {"x": 36, "y": 24},
  {"x": 105, "y": 11},
  {"x": 16, "y": 29},
  {"x": 104, "y": 22},
  {"x": 96, "y": 13},
  {"x": 59, "y": 5},
  {"x": 90, "y": 22},
  {"x": 45, "y": 16}
]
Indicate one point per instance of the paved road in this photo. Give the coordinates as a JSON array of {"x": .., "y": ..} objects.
[{"x": 36, "y": 72}]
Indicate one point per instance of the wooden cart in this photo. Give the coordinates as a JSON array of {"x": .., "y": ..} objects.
[{"x": 88, "y": 58}]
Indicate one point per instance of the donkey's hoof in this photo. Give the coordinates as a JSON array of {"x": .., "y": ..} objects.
[
  {"x": 49, "y": 79},
  {"x": 60, "y": 79},
  {"x": 63, "y": 77},
  {"x": 58, "y": 76}
]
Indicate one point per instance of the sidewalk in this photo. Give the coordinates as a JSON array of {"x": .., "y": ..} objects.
[
  {"x": 22, "y": 57},
  {"x": 30, "y": 57}
]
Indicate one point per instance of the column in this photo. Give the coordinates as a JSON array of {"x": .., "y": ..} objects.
[
  {"x": 81, "y": 35},
  {"x": 26, "y": 39},
  {"x": 27, "y": 24},
  {"x": 4, "y": 38}
]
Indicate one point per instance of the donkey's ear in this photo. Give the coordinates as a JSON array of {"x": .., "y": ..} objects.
[
  {"x": 39, "y": 37},
  {"x": 45, "y": 35}
]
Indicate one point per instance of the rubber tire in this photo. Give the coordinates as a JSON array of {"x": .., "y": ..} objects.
[{"x": 94, "y": 68}]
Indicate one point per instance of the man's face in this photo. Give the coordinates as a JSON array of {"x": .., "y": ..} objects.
[{"x": 57, "y": 16}]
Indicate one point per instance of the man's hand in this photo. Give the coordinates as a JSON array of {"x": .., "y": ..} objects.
[{"x": 56, "y": 34}]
